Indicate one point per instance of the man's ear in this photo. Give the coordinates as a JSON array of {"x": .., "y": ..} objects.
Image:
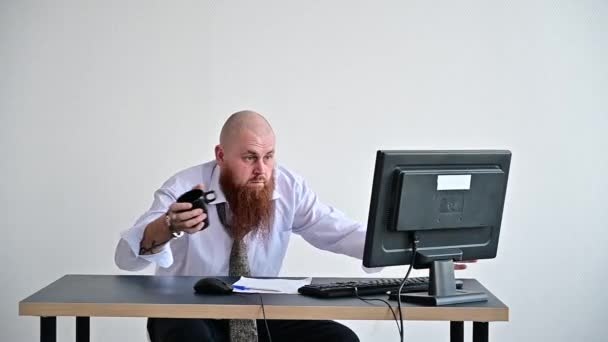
[{"x": 219, "y": 154}]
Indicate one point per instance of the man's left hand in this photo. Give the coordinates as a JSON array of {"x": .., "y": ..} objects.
[{"x": 462, "y": 265}]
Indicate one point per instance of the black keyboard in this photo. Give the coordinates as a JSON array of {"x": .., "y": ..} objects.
[{"x": 367, "y": 287}]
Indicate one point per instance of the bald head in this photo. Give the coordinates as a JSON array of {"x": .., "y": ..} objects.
[
  {"x": 245, "y": 121},
  {"x": 247, "y": 149}
]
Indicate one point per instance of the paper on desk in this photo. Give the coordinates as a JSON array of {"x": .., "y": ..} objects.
[{"x": 256, "y": 285}]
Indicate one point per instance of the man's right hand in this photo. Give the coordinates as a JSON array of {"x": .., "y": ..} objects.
[
  {"x": 180, "y": 218},
  {"x": 183, "y": 219}
]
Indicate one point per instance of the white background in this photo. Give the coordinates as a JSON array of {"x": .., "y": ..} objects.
[{"x": 101, "y": 101}]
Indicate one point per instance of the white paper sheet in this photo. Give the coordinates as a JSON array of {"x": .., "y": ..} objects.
[{"x": 254, "y": 285}]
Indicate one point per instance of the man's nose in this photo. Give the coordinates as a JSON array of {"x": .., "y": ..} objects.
[{"x": 258, "y": 167}]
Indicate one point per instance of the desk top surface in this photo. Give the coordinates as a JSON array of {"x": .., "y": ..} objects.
[{"x": 164, "y": 296}]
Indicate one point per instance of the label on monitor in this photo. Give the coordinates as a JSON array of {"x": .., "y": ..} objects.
[{"x": 453, "y": 182}]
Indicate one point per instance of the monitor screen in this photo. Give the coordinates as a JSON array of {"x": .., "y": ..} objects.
[{"x": 451, "y": 200}]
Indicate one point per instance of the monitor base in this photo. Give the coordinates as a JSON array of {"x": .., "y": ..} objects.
[{"x": 458, "y": 297}]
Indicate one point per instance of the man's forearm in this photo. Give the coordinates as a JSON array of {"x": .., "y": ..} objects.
[{"x": 157, "y": 234}]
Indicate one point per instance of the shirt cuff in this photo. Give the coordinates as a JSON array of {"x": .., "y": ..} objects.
[{"x": 133, "y": 237}]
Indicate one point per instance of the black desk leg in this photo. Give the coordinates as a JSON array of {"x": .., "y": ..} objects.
[
  {"x": 48, "y": 329},
  {"x": 82, "y": 329},
  {"x": 480, "y": 331},
  {"x": 456, "y": 331}
]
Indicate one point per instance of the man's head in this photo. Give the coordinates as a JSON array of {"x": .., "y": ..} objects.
[
  {"x": 246, "y": 159},
  {"x": 247, "y": 148}
]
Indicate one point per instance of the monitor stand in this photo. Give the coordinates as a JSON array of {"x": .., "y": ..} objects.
[{"x": 442, "y": 288}]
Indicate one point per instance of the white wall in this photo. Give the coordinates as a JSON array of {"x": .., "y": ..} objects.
[{"x": 101, "y": 101}]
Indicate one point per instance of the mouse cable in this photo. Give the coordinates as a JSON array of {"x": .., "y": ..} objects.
[{"x": 265, "y": 321}]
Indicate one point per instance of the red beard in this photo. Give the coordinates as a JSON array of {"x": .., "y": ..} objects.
[{"x": 252, "y": 208}]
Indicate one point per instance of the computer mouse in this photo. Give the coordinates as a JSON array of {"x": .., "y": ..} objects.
[{"x": 212, "y": 286}]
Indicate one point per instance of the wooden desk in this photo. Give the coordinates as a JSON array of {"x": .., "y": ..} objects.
[{"x": 85, "y": 296}]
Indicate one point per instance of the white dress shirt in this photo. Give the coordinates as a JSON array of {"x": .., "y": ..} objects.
[{"x": 206, "y": 253}]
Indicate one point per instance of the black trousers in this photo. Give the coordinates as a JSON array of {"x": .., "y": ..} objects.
[{"x": 216, "y": 330}]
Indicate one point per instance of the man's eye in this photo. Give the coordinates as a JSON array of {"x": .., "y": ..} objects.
[
  {"x": 249, "y": 158},
  {"x": 268, "y": 157}
]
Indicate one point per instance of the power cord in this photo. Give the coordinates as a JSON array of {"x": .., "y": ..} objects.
[
  {"x": 415, "y": 242},
  {"x": 367, "y": 300},
  {"x": 399, "y": 323}
]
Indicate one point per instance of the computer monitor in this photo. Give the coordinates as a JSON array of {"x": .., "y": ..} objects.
[{"x": 445, "y": 205}]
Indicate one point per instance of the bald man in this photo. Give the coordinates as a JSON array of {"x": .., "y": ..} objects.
[{"x": 258, "y": 205}]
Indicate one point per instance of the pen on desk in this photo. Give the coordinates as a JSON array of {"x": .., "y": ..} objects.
[{"x": 246, "y": 288}]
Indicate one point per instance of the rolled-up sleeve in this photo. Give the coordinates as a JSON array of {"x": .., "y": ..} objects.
[
  {"x": 127, "y": 251},
  {"x": 324, "y": 226}
]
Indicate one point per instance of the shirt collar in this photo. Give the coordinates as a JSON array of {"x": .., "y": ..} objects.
[{"x": 219, "y": 194}]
